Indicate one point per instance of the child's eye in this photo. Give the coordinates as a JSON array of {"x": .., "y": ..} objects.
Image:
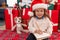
[
  {"x": 37, "y": 10},
  {"x": 41, "y": 10}
]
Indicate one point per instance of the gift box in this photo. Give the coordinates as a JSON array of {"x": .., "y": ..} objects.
[
  {"x": 57, "y": 5},
  {"x": 54, "y": 19},
  {"x": 8, "y": 18},
  {"x": 10, "y": 14},
  {"x": 15, "y": 14},
  {"x": 25, "y": 17}
]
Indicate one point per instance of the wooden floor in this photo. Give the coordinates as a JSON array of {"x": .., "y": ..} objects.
[{"x": 2, "y": 25}]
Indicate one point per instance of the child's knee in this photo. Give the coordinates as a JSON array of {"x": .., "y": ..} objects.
[
  {"x": 39, "y": 39},
  {"x": 25, "y": 31}
]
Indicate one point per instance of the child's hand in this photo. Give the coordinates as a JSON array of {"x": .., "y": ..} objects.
[
  {"x": 38, "y": 31},
  {"x": 44, "y": 31}
]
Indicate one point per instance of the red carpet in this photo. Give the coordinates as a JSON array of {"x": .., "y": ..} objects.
[
  {"x": 8, "y": 35},
  {"x": 55, "y": 36}
]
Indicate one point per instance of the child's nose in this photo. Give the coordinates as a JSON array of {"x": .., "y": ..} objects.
[{"x": 18, "y": 21}]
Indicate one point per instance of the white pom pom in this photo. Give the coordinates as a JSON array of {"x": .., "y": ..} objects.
[
  {"x": 30, "y": 13},
  {"x": 21, "y": 4}
]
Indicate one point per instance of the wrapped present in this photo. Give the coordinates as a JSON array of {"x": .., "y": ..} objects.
[
  {"x": 15, "y": 14},
  {"x": 54, "y": 19},
  {"x": 25, "y": 16},
  {"x": 54, "y": 16},
  {"x": 58, "y": 1},
  {"x": 9, "y": 17},
  {"x": 58, "y": 7}
]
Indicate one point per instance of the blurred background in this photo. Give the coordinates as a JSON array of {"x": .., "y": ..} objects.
[{"x": 25, "y": 5}]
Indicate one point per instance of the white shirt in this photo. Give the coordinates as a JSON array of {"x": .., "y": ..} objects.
[{"x": 43, "y": 24}]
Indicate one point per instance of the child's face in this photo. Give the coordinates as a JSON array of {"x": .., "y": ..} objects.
[
  {"x": 46, "y": 1},
  {"x": 39, "y": 12},
  {"x": 49, "y": 1}
]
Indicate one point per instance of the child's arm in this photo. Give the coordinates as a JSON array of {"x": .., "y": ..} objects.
[
  {"x": 31, "y": 26},
  {"x": 38, "y": 29},
  {"x": 55, "y": 24},
  {"x": 50, "y": 27}
]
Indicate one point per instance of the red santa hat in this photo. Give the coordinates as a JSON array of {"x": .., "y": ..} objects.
[{"x": 37, "y": 4}]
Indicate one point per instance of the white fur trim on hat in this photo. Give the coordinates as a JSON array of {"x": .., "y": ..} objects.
[
  {"x": 30, "y": 13},
  {"x": 39, "y": 5}
]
